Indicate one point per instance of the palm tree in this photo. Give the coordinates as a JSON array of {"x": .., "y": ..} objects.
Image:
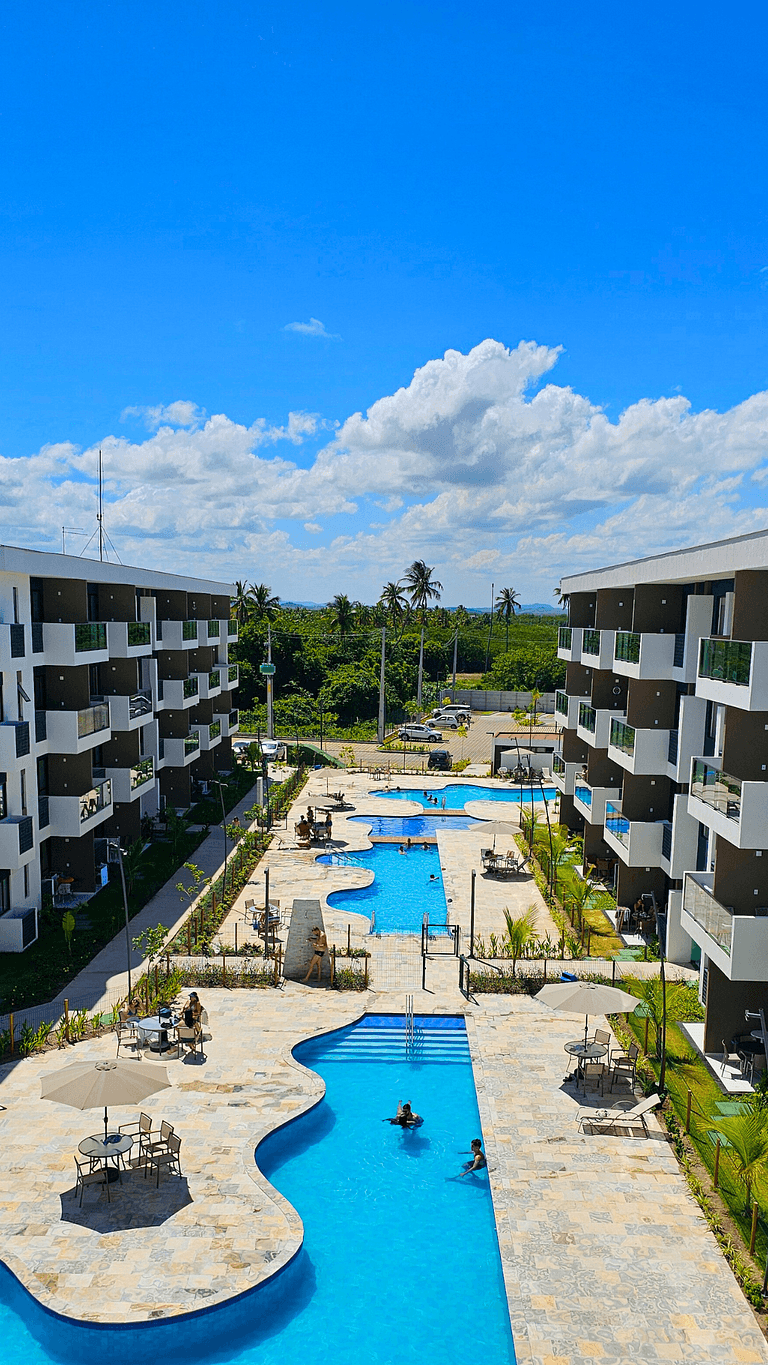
[
  {"x": 507, "y": 603},
  {"x": 520, "y": 931},
  {"x": 747, "y": 1136},
  {"x": 422, "y": 589},
  {"x": 343, "y": 618},
  {"x": 262, "y": 602},
  {"x": 394, "y": 601},
  {"x": 242, "y": 602},
  {"x": 562, "y": 598}
]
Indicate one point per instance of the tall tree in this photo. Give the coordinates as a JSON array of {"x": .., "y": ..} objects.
[
  {"x": 394, "y": 601},
  {"x": 422, "y": 589},
  {"x": 343, "y": 614},
  {"x": 507, "y": 603},
  {"x": 263, "y": 603},
  {"x": 242, "y": 602}
]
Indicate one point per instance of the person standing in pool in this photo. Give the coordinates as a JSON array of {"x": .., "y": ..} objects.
[
  {"x": 478, "y": 1161},
  {"x": 405, "y": 1117}
]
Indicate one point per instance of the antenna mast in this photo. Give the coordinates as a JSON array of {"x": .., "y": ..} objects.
[{"x": 100, "y": 514}]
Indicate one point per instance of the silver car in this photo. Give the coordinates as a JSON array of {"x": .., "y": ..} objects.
[{"x": 423, "y": 732}]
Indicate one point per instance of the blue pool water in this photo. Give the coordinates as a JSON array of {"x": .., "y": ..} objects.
[
  {"x": 413, "y": 826},
  {"x": 400, "y": 1256},
  {"x": 400, "y": 892},
  {"x": 456, "y": 796}
]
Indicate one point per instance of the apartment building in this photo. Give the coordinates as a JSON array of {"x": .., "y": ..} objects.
[
  {"x": 663, "y": 761},
  {"x": 116, "y": 695}
]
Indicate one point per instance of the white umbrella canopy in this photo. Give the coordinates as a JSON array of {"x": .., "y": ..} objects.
[
  {"x": 504, "y": 830},
  {"x": 586, "y": 997},
  {"x": 97, "y": 1085}
]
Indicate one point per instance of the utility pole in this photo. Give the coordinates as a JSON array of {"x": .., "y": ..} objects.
[
  {"x": 382, "y": 703},
  {"x": 421, "y": 667},
  {"x": 115, "y": 843},
  {"x": 455, "y": 655},
  {"x": 490, "y": 632},
  {"x": 270, "y": 716}
]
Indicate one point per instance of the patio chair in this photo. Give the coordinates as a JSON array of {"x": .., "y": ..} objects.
[
  {"x": 190, "y": 1039},
  {"x": 127, "y": 1036},
  {"x": 88, "y": 1174},
  {"x": 602, "y": 1036},
  {"x": 619, "y": 1116},
  {"x": 159, "y": 1146},
  {"x": 140, "y": 1128},
  {"x": 729, "y": 1059},
  {"x": 167, "y": 1159},
  {"x": 623, "y": 1070},
  {"x": 593, "y": 1073}
]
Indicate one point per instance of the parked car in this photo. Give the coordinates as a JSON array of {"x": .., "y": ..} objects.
[
  {"x": 440, "y": 760},
  {"x": 462, "y": 713},
  {"x": 449, "y": 719},
  {"x": 425, "y": 733}
]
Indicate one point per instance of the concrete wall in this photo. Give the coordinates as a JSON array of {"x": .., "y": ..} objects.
[
  {"x": 305, "y": 915},
  {"x": 499, "y": 701}
]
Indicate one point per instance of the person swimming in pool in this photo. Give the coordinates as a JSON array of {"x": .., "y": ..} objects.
[
  {"x": 405, "y": 1117},
  {"x": 478, "y": 1161},
  {"x": 433, "y": 877}
]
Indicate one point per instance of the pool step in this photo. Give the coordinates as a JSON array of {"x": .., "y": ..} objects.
[{"x": 385, "y": 1044}]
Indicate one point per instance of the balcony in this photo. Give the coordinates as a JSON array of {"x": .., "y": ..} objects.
[
  {"x": 734, "y": 673},
  {"x": 209, "y": 735},
  {"x": 208, "y": 684},
  {"x": 179, "y": 753},
  {"x": 569, "y": 643},
  {"x": 594, "y": 726},
  {"x": 180, "y": 693},
  {"x": 735, "y": 809},
  {"x": 637, "y": 842},
  {"x": 130, "y": 713},
  {"x": 638, "y": 751},
  {"x": 12, "y": 644},
  {"x": 591, "y": 801},
  {"x": 129, "y": 639},
  {"x": 72, "y": 816},
  {"x": 14, "y": 742},
  {"x": 679, "y": 840},
  {"x": 564, "y": 774},
  {"x": 643, "y": 655},
  {"x": 214, "y": 630},
  {"x": 567, "y": 709},
  {"x": 687, "y": 740},
  {"x": 737, "y": 944},
  {"x": 597, "y": 648},
  {"x": 74, "y": 732},
  {"x": 69, "y": 645},
  {"x": 177, "y": 634},
  {"x": 17, "y": 841},
  {"x": 230, "y": 676},
  {"x": 232, "y": 629},
  {"x": 129, "y": 783}
]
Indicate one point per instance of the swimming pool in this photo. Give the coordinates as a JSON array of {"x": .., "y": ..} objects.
[
  {"x": 401, "y": 890},
  {"x": 399, "y": 1254},
  {"x": 456, "y": 796},
  {"x": 414, "y": 826}
]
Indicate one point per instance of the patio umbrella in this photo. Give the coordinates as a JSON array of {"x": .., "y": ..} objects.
[
  {"x": 501, "y": 829},
  {"x": 96, "y": 1085},
  {"x": 586, "y": 997}
]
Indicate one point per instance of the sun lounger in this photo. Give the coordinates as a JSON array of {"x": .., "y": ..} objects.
[{"x": 619, "y": 1116}]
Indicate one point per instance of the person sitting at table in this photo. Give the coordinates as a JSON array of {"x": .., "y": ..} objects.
[
  {"x": 193, "y": 1012},
  {"x": 303, "y": 829},
  {"x": 310, "y": 816}
]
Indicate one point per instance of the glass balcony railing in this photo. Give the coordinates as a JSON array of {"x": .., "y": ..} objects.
[
  {"x": 140, "y": 704},
  {"x": 214, "y": 729},
  {"x": 590, "y": 642},
  {"x": 627, "y": 646},
  {"x": 561, "y": 703},
  {"x": 214, "y": 678},
  {"x": 214, "y": 628},
  {"x": 90, "y": 635},
  {"x": 234, "y": 717},
  {"x": 142, "y": 772},
  {"x": 587, "y": 717},
  {"x": 190, "y": 688},
  {"x": 558, "y": 765},
  {"x": 716, "y": 789},
  {"x": 139, "y": 633},
  {"x": 564, "y": 637},
  {"x": 616, "y": 823},
  {"x": 583, "y": 793},
  {"x": 623, "y": 737},
  {"x": 232, "y": 627},
  {"x": 726, "y": 661},
  {"x": 189, "y": 630},
  {"x": 92, "y": 719},
  {"x": 191, "y": 744},
  {"x": 95, "y": 800},
  {"x": 232, "y": 672},
  {"x": 699, "y": 902}
]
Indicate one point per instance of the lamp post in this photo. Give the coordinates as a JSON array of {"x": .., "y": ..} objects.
[
  {"x": 221, "y": 786},
  {"x": 115, "y": 843}
]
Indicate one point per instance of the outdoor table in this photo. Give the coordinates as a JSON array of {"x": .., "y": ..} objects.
[
  {"x": 158, "y": 1027},
  {"x": 584, "y": 1052},
  {"x": 99, "y": 1149}
]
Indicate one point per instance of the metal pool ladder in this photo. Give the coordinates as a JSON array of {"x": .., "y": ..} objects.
[{"x": 414, "y": 1037}]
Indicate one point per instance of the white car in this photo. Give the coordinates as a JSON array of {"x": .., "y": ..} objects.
[
  {"x": 423, "y": 732},
  {"x": 449, "y": 720}
]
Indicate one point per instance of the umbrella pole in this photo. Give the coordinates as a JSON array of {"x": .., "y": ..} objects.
[
  {"x": 105, "y": 1122},
  {"x": 586, "y": 1028}
]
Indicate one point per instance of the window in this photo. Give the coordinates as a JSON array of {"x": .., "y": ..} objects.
[
  {"x": 16, "y": 606},
  {"x": 23, "y": 776},
  {"x": 40, "y": 689},
  {"x": 26, "y": 880},
  {"x": 36, "y": 598},
  {"x": 5, "y": 892},
  {"x": 93, "y": 601},
  {"x": 2, "y": 708},
  {"x": 42, "y": 776},
  {"x": 3, "y": 795},
  {"x": 94, "y": 680}
]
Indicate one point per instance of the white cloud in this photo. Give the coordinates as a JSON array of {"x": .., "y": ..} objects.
[
  {"x": 182, "y": 413},
  {"x": 482, "y": 465},
  {"x": 313, "y": 328}
]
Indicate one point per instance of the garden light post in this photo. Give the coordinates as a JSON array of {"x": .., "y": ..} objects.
[
  {"x": 115, "y": 843},
  {"x": 269, "y": 670},
  {"x": 472, "y": 915},
  {"x": 221, "y": 786}
]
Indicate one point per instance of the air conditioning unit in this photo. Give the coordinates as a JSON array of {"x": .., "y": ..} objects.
[{"x": 18, "y": 929}]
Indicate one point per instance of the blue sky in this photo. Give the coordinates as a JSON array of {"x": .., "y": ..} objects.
[{"x": 183, "y": 183}]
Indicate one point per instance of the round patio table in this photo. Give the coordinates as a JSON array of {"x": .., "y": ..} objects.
[
  {"x": 156, "y": 1027},
  {"x": 100, "y": 1149},
  {"x": 584, "y": 1052}
]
